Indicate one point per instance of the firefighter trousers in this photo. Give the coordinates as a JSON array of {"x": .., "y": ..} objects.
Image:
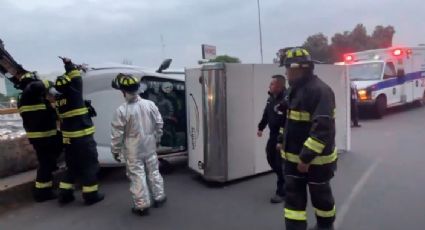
[
  {"x": 48, "y": 150},
  {"x": 82, "y": 165},
  {"x": 275, "y": 161},
  {"x": 296, "y": 203}
]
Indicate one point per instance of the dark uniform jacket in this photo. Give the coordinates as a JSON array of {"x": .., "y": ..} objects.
[
  {"x": 273, "y": 115},
  {"x": 310, "y": 129},
  {"x": 76, "y": 121},
  {"x": 38, "y": 116}
]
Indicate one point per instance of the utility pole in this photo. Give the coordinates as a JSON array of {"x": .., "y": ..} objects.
[{"x": 261, "y": 33}]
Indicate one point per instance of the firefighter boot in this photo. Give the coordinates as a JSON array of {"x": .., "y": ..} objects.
[
  {"x": 91, "y": 198},
  {"x": 140, "y": 212},
  {"x": 160, "y": 203},
  {"x": 44, "y": 194},
  {"x": 277, "y": 199},
  {"x": 66, "y": 197}
]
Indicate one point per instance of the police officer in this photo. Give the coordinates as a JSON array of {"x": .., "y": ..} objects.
[
  {"x": 39, "y": 121},
  {"x": 354, "y": 106},
  {"x": 274, "y": 118},
  {"x": 80, "y": 147},
  {"x": 309, "y": 144}
]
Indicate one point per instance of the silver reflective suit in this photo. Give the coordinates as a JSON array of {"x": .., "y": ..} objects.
[{"x": 136, "y": 129}]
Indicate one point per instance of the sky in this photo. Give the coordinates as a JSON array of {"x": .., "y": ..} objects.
[{"x": 35, "y": 32}]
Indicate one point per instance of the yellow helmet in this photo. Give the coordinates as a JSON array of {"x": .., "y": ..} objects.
[
  {"x": 297, "y": 58},
  {"x": 126, "y": 83}
]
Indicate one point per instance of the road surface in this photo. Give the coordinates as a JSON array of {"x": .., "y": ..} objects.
[{"x": 379, "y": 185}]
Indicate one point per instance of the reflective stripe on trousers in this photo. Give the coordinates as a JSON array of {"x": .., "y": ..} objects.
[
  {"x": 319, "y": 160},
  {"x": 42, "y": 185},
  {"x": 295, "y": 215},
  {"x": 88, "y": 189}
]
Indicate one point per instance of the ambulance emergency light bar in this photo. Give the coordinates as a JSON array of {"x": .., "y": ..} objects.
[{"x": 396, "y": 52}]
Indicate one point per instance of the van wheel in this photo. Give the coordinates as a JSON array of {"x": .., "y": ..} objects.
[
  {"x": 380, "y": 107},
  {"x": 422, "y": 101}
]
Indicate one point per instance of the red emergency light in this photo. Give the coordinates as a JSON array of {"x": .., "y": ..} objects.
[
  {"x": 348, "y": 58},
  {"x": 397, "y": 52}
]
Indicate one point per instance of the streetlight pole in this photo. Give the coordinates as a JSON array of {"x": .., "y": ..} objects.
[{"x": 261, "y": 34}]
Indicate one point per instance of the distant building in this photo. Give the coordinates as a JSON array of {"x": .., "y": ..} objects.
[{"x": 6, "y": 87}]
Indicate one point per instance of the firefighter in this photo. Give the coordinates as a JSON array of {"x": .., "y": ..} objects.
[
  {"x": 274, "y": 117},
  {"x": 136, "y": 131},
  {"x": 77, "y": 129},
  {"x": 309, "y": 144},
  {"x": 39, "y": 121}
]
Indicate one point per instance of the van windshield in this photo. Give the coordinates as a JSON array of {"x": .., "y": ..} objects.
[
  {"x": 169, "y": 97},
  {"x": 365, "y": 71}
]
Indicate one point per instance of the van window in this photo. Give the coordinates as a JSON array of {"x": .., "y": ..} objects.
[
  {"x": 389, "y": 71},
  {"x": 169, "y": 97}
]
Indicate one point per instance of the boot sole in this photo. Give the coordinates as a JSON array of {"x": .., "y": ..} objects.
[
  {"x": 88, "y": 203},
  {"x": 139, "y": 212}
]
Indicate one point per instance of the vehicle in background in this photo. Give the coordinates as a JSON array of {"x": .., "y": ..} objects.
[{"x": 388, "y": 77}]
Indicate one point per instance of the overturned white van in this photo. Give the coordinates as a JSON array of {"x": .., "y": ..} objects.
[{"x": 166, "y": 89}]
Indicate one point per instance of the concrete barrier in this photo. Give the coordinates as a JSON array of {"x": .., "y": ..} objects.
[{"x": 16, "y": 155}]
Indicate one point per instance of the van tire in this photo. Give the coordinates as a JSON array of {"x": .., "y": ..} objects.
[
  {"x": 422, "y": 101},
  {"x": 380, "y": 107}
]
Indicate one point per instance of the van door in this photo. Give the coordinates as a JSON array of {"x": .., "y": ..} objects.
[
  {"x": 396, "y": 89},
  {"x": 418, "y": 68}
]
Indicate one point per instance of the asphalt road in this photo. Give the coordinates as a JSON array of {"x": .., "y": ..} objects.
[{"x": 379, "y": 185}]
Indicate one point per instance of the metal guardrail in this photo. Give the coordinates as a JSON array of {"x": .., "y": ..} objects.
[
  {"x": 8, "y": 108},
  {"x": 8, "y": 111}
]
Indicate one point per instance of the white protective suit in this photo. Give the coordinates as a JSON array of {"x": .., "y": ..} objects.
[{"x": 136, "y": 129}]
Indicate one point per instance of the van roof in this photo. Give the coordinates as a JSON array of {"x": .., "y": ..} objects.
[{"x": 176, "y": 74}]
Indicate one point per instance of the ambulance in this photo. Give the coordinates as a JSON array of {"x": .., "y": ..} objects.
[{"x": 387, "y": 78}]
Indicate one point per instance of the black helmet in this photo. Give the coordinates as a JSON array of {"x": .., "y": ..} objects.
[
  {"x": 126, "y": 83},
  {"x": 297, "y": 58},
  {"x": 25, "y": 79}
]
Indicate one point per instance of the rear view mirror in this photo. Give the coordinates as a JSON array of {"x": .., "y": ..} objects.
[{"x": 164, "y": 65}]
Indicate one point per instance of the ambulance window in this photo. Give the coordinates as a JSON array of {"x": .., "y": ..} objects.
[{"x": 389, "y": 71}]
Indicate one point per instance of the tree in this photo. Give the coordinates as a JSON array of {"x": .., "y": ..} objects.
[
  {"x": 341, "y": 44},
  {"x": 348, "y": 42},
  {"x": 359, "y": 40},
  {"x": 226, "y": 59},
  {"x": 382, "y": 37},
  {"x": 318, "y": 47}
]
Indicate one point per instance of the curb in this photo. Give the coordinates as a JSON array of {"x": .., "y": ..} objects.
[{"x": 16, "y": 190}]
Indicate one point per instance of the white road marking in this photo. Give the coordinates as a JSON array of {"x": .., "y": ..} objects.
[{"x": 345, "y": 207}]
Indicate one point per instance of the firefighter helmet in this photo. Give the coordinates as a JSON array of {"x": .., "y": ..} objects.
[
  {"x": 298, "y": 58},
  {"x": 126, "y": 83},
  {"x": 25, "y": 79}
]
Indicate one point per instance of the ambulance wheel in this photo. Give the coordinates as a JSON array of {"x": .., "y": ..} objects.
[
  {"x": 423, "y": 100},
  {"x": 380, "y": 107},
  {"x": 420, "y": 102}
]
